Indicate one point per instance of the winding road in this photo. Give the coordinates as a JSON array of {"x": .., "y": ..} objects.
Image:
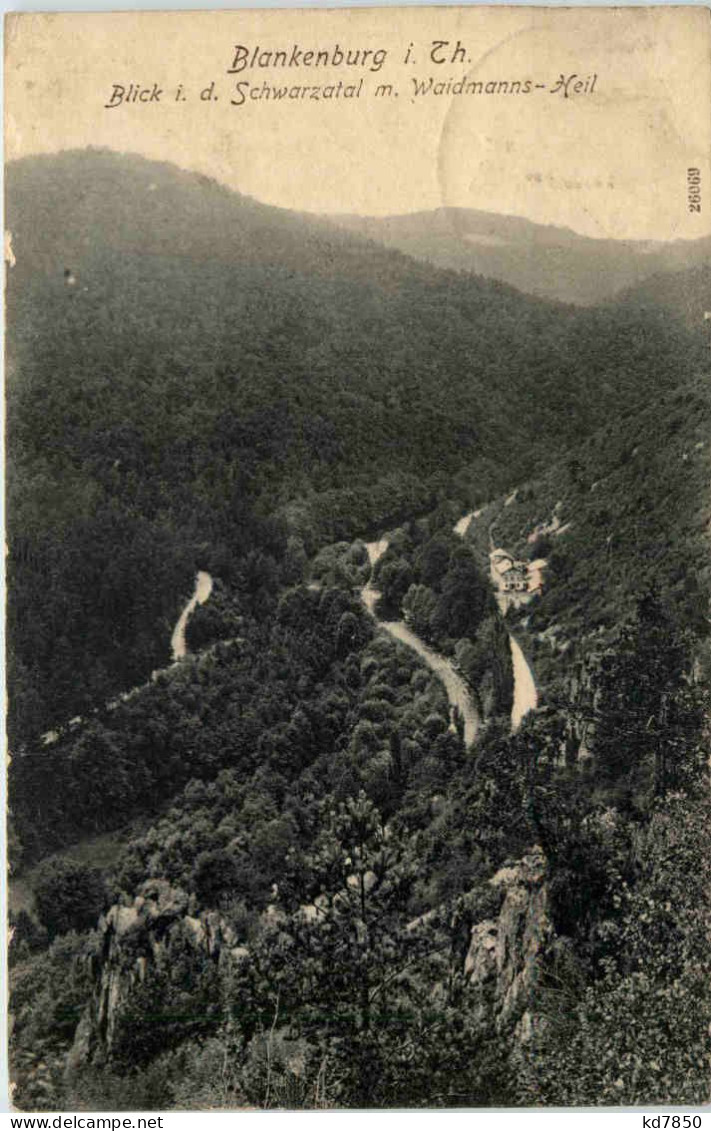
[
  {"x": 525, "y": 693},
  {"x": 525, "y": 697},
  {"x": 463, "y": 524},
  {"x": 201, "y": 592},
  {"x": 203, "y": 589},
  {"x": 457, "y": 691}
]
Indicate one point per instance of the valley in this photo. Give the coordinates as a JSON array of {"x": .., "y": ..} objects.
[
  {"x": 369, "y": 584},
  {"x": 575, "y": 268}
]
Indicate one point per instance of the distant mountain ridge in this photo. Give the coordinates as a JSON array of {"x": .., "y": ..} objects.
[
  {"x": 544, "y": 260},
  {"x": 65, "y": 204}
]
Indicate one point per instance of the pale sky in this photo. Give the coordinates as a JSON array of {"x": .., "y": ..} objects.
[{"x": 610, "y": 159}]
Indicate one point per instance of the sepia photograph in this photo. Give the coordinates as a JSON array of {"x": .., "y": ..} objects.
[{"x": 358, "y": 523}]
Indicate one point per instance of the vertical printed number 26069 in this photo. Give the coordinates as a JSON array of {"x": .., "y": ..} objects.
[{"x": 693, "y": 189}]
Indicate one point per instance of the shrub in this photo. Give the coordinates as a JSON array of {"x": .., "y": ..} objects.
[{"x": 68, "y": 896}]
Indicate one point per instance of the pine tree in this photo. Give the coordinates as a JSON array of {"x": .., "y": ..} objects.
[{"x": 647, "y": 709}]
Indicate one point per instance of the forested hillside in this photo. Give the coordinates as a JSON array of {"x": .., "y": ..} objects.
[
  {"x": 315, "y": 889},
  {"x": 194, "y": 377},
  {"x": 683, "y": 294},
  {"x": 347, "y": 907},
  {"x": 626, "y": 514}
]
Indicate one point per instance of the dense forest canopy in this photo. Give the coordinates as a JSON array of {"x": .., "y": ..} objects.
[{"x": 275, "y": 874}]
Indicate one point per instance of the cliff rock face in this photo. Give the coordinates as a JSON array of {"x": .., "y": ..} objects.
[
  {"x": 579, "y": 686},
  {"x": 152, "y": 939},
  {"x": 156, "y": 945},
  {"x": 506, "y": 954}
]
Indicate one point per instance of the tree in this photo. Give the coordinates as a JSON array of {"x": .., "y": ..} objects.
[
  {"x": 431, "y": 562},
  {"x": 393, "y": 576},
  {"x": 351, "y": 634},
  {"x": 648, "y": 712},
  {"x": 216, "y": 876},
  {"x": 49, "y": 992},
  {"x": 340, "y": 971},
  {"x": 465, "y": 598},
  {"x": 68, "y": 896},
  {"x": 637, "y": 1032},
  {"x": 419, "y": 606}
]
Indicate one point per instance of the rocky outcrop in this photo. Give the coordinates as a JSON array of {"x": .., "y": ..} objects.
[
  {"x": 137, "y": 942},
  {"x": 506, "y": 954},
  {"x": 581, "y": 690},
  {"x": 158, "y": 944}
]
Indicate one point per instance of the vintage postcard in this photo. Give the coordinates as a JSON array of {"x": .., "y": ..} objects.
[{"x": 357, "y": 478}]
